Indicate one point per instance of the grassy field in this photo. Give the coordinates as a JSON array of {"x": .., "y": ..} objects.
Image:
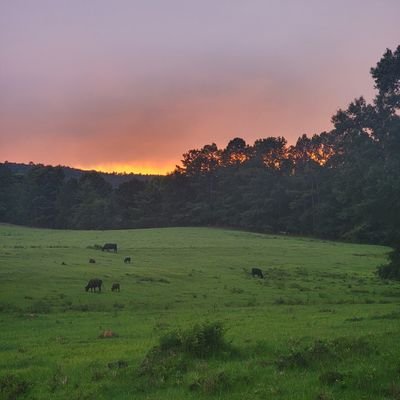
[{"x": 319, "y": 326}]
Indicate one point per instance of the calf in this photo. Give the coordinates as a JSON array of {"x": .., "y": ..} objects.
[
  {"x": 256, "y": 272},
  {"x": 92, "y": 261},
  {"x": 127, "y": 260},
  {"x": 115, "y": 287},
  {"x": 93, "y": 284}
]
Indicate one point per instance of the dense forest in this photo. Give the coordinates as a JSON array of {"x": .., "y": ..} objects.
[{"x": 342, "y": 184}]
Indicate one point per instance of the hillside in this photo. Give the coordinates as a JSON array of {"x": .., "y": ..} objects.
[
  {"x": 115, "y": 179},
  {"x": 319, "y": 326}
]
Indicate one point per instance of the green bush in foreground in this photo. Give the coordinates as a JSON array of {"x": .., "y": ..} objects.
[
  {"x": 178, "y": 350},
  {"x": 392, "y": 269},
  {"x": 201, "y": 341}
]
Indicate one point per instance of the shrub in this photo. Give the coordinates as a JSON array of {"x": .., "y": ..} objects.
[
  {"x": 392, "y": 269},
  {"x": 171, "y": 359},
  {"x": 204, "y": 340},
  {"x": 170, "y": 341},
  {"x": 201, "y": 341}
]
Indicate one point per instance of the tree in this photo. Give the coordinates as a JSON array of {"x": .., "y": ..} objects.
[
  {"x": 386, "y": 75},
  {"x": 126, "y": 202},
  {"x": 235, "y": 153},
  {"x": 94, "y": 203},
  {"x": 42, "y": 186}
]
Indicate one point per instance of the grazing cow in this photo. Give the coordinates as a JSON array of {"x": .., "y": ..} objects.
[
  {"x": 92, "y": 261},
  {"x": 115, "y": 287},
  {"x": 93, "y": 284},
  {"x": 256, "y": 272},
  {"x": 127, "y": 260},
  {"x": 110, "y": 246}
]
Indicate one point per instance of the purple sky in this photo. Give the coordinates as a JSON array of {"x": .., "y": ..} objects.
[{"x": 134, "y": 84}]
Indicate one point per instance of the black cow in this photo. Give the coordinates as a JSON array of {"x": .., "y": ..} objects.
[
  {"x": 110, "y": 246},
  {"x": 127, "y": 260},
  {"x": 93, "y": 284},
  {"x": 115, "y": 287},
  {"x": 92, "y": 261},
  {"x": 256, "y": 272}
]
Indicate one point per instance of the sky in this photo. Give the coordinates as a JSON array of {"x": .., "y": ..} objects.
[{"x": 129, "y": 85}]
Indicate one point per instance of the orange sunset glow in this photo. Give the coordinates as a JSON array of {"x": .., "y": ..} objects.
[
  {"x": 130, "y": 88},
  {"x": 151, "y": 169}
]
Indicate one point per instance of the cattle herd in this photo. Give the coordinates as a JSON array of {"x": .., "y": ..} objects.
[{"x": 96, "y": 283}]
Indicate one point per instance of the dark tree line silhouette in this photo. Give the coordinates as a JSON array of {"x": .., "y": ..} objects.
[{"x": 342, "y": 184}]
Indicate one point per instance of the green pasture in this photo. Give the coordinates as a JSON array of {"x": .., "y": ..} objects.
[{"x": 320, "y": 325}]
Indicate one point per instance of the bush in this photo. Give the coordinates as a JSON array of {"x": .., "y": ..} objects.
[
  {"x": 172, "y": 358},
  {"x": 204, "y": 340},
  {"x": 391, "y": 270},
  {"x": 170, "y": 341},
  {"x": 200, "y": 341}
]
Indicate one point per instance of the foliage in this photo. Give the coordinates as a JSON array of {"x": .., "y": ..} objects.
[
  {"x": 392, "y": 269},
  {"x": 201, "y": 341}
]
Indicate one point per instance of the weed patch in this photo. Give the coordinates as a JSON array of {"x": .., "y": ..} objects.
[
  {"x": 12, "y": 387},
  {"x": 321, "y": 352},
  {"x": 212, "y": 384}
]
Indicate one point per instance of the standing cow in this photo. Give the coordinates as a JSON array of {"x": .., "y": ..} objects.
[
  {"x": 257, "y": 273},
  {"x": 93, "y": 284},
  {"x": 115, "y": 287},
  {"x": 109, "y": 247}
]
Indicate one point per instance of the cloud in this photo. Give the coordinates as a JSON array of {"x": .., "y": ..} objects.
[{"x": 140, "y": 83}]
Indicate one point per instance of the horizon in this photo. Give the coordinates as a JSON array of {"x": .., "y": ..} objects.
[{"x": 130, "y": 88}]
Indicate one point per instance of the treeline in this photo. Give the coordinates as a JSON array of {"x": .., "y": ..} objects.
[
  {"x": 114, "y": 178},
  {"x": 344, "y": 183}
]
